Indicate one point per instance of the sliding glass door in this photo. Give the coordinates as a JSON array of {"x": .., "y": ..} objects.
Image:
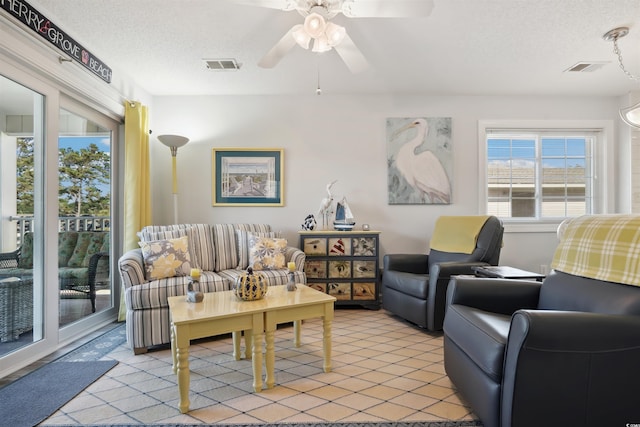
[
  {"x": 21, "y": 220},
  {"x": 57, "y": 163},
  {"x": 84, "y": 212}
]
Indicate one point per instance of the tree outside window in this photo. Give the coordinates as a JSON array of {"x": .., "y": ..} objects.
[{"x": 84, "y": 176}]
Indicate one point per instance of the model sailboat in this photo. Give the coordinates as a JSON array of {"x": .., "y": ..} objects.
[{"x": 344, "y": 217}]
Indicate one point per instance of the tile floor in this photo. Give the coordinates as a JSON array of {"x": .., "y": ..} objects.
[{"x": 384, "y": 369}]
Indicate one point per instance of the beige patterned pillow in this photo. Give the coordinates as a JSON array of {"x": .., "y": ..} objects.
[
  {"x": 242, "y": 239},
  {"x": 266, "y": 253},
  {"x": 166, "y": 258}
]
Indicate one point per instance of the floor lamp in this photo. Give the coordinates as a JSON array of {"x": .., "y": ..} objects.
[{"x": 174, "y": 142}]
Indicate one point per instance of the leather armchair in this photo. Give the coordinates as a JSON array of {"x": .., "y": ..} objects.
[
  {"x": 563, "y": 352},
  {"x": 414, "y": 286}
]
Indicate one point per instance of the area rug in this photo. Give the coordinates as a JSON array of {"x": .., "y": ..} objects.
[
  {"x": 99, "y": 346},
  {"x": 34, "y": 397},
  {"x": 384, "y": 424}
]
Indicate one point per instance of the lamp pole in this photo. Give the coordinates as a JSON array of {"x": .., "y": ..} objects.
[{"x": 174, "y": 142}]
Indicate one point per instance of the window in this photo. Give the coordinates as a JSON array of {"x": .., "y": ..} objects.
[
  {"x": 539, "y": 175},
  {"x": 556, "y": 187}
]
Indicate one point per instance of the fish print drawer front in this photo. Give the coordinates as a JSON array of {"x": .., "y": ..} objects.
[{"x": 315, "y": 246}]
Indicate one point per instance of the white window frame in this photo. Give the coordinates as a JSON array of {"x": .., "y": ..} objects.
[{"x": 604, "y": 177}]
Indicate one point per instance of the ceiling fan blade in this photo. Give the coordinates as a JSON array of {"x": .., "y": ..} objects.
[
  {"x": 351, "y": 55},
  {"x": 278, "y": 51},
  {"x": 271, "y": 4},
  {"x": 386, "y": 8}
]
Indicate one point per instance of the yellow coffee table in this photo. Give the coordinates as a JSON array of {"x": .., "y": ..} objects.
[{"x": 223, "y": 312}]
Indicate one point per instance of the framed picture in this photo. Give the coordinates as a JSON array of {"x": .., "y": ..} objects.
[
  {"x": 247, "y": 177},
  {"x": 420, "y": 160}
]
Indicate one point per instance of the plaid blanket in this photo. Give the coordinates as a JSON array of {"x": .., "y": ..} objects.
[{"x": 603, "y": 247}]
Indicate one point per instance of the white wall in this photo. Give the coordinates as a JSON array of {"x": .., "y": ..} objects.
[{"x": 342, "y": 137}]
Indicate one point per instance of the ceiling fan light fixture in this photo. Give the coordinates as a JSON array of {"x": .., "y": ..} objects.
[
  {"x": 321, "y": 44},
  {"x": 335, "y": 34},
  {"x": 301, "y": 36},
  {"x": 314, "y": 25},
  {"x": 631, "y": 115}
]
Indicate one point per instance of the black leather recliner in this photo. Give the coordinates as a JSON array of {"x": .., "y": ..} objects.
[
  {"x": 414, "y": 286},
  {"x": 563, "y": 352}
]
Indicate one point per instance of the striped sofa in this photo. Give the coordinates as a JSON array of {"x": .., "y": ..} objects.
[{"x": 219, "y": 250}]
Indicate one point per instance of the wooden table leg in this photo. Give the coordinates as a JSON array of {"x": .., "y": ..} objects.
[
  {"x": 236, "y": 336},
  {"x": 174, "y": 367},
  {"x": 182, "y": 357},
  {"x": 248, "y": 344},
  {"x": 297, "y": 327},
  {"x": 257, "y": 337},
  {"x": 326, "y": 336},
  {"x": 270, "y": 357}
]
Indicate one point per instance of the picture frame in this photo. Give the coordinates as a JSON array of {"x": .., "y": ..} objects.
[
  {"x": 419, "y": 161},
  {"x": 247, "y": 177}
]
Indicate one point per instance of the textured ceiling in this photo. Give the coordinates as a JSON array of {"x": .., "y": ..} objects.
[{"x": 465, "y": 47}]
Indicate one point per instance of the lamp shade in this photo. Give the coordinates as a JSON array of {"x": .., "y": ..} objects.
[
  {"x": 335, "y": 34},
  {"x": 314, "y": 25},
  {"x": 173, "y": 140},
  {"x": 321, "y": 44},
  {"x": 631, "y": 115},
  {"x": 300, "y": 36}
]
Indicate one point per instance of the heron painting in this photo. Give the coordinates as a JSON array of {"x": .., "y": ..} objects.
[{"x": 419, "y": 160}]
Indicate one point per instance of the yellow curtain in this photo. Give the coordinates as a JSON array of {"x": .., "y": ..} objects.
[{"x": 137, "y": 198}]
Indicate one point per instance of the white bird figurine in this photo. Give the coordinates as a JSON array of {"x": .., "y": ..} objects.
[
  {"x": 423, "y": 171},
  {"x": 325, "y": 204}
]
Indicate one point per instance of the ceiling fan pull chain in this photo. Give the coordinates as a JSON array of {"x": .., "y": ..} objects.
[{"x": 618, "y": 52}]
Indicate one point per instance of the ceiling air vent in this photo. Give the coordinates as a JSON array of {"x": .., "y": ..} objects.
[
  {"x": 583, "y": 67},
  {"x": 222, "y": 64}
]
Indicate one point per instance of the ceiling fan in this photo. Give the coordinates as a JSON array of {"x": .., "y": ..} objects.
[{"x": 326, "y": 35}]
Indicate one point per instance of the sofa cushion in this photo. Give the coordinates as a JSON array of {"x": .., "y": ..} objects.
[
  {"x": 242, "y": 237},
  {"x": 96, "y": 244},
  {"x": 79, "y": 252},
  {"x": 154, "y": 294},
  {"x": 266, "y": 253},
  {"x": 486, "y": 345},
  {"x": 70, "y": 275},
  {"x": 201, "y": 245},
  {"x": 226, "y": 244},
  {"x": 26, "y": 251},
  {"x": 166, "y": 258},
  {"x": 272, "y": 277},
  {"x": 66, "y": 244}
]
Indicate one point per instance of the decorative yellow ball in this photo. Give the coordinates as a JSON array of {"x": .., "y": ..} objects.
[{"x": 250, "y": 286}]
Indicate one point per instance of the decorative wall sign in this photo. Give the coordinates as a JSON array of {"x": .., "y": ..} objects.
[
  {"x": 419, "y": 160},
  {"x": 247, "y": 177},
  {"x": 38, "y": 23}
]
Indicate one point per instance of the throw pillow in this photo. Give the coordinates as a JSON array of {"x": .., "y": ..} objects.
[
  {"x": 267, "y": 253},
  {"x": 166, "y": 258},
  {"x": 66, "y": 244},
  {"x": 200, "y": 241},
  {"x": 152, "y": 236},
  {"x": 242, "y": 238},
  {"x": 79, "y": 252}
]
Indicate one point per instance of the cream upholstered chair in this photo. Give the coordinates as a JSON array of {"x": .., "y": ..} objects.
[{"x": 414, "y": 286}]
